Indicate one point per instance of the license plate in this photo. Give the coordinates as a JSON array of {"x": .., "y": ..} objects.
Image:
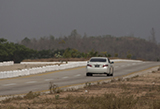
[{"x": 96, "y": 65}]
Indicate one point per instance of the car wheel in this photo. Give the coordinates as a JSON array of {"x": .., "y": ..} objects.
[
  {"x": 88, "y": 74},
  {"x": 108, "y": 74},
  {"x": 111, "y": 72}
]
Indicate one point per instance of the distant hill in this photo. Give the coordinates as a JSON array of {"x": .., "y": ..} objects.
[{"x": 122, "y": 47}]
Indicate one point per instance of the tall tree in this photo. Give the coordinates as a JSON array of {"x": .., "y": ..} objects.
[
  {"x": 153, "y": 38},
  {"x": 26, "y": 41}
]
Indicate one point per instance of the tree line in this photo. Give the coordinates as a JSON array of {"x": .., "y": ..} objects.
[
  {"x": 16, "y": 52},
  {"x": 122, "y": 47},
  {"x": 77, "y": 46},
  {"x": 13, "y": 52}
]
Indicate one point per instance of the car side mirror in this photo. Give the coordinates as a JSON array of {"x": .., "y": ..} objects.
[{"x": 112, "y": 62}]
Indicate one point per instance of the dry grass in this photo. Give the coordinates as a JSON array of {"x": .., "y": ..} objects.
[{"x": 141, "y": 92}]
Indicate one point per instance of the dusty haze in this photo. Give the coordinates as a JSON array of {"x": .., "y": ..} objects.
[{"x": 38, "y": 18}]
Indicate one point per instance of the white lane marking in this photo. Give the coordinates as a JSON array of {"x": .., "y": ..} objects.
[
  {"x": 31, "y": 82},
  {"x": 9, "y": 84},
  {"x": 128, "y": 64},
  {"x": 122, "y": 65},
  {"x": 78, "y": 75},
  {"x": 48, "y": 79},
  {"x": 34, "y": 88},
  {"x": 64, "y": 77}
]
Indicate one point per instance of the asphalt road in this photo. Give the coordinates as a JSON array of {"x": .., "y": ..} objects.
[{"x": 73, "y": 76}]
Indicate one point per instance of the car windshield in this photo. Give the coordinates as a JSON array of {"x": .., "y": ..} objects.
[{"x": 97, "y": 60}]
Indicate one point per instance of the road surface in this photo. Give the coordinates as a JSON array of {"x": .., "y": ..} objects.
[{"x": 39, "y": 82}]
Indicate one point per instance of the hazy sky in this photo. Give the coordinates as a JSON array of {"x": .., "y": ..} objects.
[{"x": 38, "y": 18}]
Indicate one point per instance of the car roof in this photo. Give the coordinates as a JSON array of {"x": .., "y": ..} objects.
[{"x": 99, "y": 58}]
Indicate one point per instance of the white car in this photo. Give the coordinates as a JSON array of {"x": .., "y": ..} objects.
[{"x": 99, "y": 65}]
